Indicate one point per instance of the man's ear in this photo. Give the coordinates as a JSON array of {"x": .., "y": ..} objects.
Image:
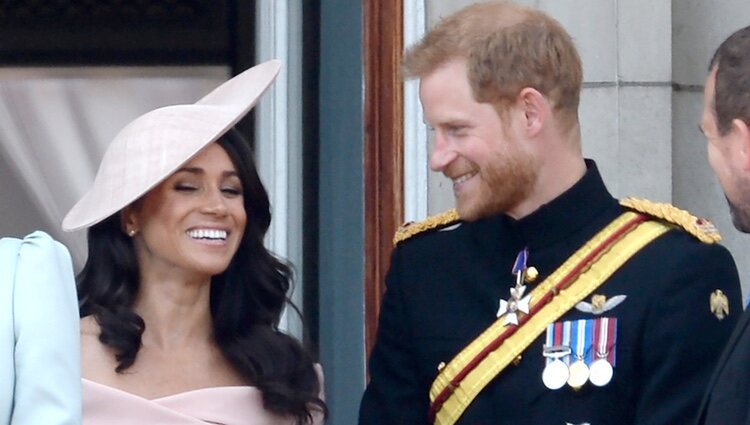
[
  {"x": 536, "y": 110},
  {"x": 741, "y": 135}
]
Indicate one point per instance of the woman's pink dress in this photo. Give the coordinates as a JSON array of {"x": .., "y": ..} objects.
[{"x": 104, "y": 405}]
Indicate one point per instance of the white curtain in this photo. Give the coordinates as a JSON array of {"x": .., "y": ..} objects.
[{"x": 56, "y": 123}]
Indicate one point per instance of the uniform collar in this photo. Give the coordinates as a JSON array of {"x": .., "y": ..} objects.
[{"x": 580, "y": 206}]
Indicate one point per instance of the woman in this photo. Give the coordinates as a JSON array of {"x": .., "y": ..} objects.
[
  {"x": 39, "y": 355},
  {"x": 179, "y": 298}
]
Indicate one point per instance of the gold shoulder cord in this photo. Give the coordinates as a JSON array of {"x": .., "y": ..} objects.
[
  {"x": 407, "y": 230},
  {"x": 701, "y": 228}
]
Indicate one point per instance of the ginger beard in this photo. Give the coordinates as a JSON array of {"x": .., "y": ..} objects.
[{"x": 506, "y": 178}]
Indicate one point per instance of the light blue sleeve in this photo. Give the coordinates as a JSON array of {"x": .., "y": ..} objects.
[
  {"x": 8, "y": 254},
  {"x": 47, "y": 338}
]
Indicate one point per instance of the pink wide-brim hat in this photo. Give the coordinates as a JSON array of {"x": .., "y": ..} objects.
[{"x": 158, "y": 143}]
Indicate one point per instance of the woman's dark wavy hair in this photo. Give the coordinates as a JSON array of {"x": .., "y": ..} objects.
[{"x": 247, "y": 301}]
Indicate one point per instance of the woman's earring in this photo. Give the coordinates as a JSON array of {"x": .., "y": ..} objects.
[{"x": 131, "y": 232}]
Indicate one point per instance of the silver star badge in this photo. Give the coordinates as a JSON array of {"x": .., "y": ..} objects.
[{"x": 517, "y": 303}]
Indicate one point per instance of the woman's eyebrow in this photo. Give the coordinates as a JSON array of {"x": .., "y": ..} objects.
[{"x": 198, "y": 170}]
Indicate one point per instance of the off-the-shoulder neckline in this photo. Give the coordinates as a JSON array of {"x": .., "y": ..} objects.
[{"x": 231, "y": 388}]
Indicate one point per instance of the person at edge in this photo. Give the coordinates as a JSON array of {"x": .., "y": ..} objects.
[
  {"x": 541, "y": 299},
  {"x": 40, "y": 359},
  {"x": 179, "y": 300},
  {"x": 726, "y": 126}
]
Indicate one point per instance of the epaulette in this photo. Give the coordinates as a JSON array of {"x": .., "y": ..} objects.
[
  {"x": 701, "y": 228},
  {"x": 412, "y": 228}
]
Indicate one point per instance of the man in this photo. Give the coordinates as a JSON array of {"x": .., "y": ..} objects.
[
  {"x": 726, "y": 117},
  {"x": 547, "y": 302}
]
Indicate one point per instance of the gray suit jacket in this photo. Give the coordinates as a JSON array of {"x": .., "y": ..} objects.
[{"x": 727, "y": 400}]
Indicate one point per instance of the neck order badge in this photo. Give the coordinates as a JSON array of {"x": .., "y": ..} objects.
[{"x": 517, "y": 303}]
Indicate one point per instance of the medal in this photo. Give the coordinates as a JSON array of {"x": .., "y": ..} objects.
[
  {"x": 578, "y": 374},
  {"x": 579, "y": 371},
  {"x": 517, "y": 303},
  {"x": 556, "y": 348},
  {"x": 555, "y": 374},
  {"x": 605, "y": 339},
  {"x": 601, "y": 372}
]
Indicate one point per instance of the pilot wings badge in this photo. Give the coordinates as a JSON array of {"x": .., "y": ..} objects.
[
  {"x": 599, "y": 304},
  {"x": 719, "y": 304}
]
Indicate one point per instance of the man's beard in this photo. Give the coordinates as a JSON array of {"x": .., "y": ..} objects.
[
  {"x": 507, "y": 179},
  {"x": 740, "y": 216}
]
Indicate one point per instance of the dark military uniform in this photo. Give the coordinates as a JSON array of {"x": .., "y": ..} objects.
[
  {"x": 443, "y": 290},
  {"x": 728, "y": 397}
]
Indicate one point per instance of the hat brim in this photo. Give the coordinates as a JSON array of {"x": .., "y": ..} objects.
[{"x": 158, "y": 143}]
